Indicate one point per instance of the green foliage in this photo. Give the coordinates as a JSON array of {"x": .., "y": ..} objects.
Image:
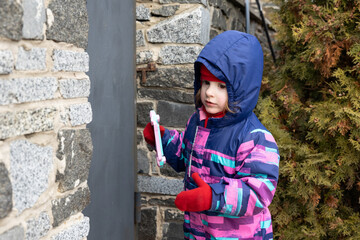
[{"x": 310, "y": 102}]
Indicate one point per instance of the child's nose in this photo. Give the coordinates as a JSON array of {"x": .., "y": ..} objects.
[{"x": 210, "y": 90}]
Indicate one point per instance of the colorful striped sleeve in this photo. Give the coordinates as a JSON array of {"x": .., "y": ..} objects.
[
  {"x": 172, "y": 145},
  {"x": 253, "y": 187}
]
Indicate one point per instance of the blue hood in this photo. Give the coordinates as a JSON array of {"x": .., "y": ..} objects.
[{"x": 237, "y": 59}]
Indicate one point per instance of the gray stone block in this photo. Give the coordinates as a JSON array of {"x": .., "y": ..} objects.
[
  {"x": 183, "y": 1},
  {"x": 173, "y": 231},
  {"x": 144, "y": 200},
  {"x": 11, "y": 13},
  {"x": 215, "y": 3},
  {"x": 231, "y": 11},
  {"x": 143, "y": 111},
  {"x": 70, "y": 22},
  {"x": 142, "y": 13},
  {"x": 159, "y": 201},
  {"x": 144, "y": 57},
  {"x": 5, "y": 192},
  {"x": 26, "y": 122},
  {"x": 182, "y": 77},
  {"x": 34, "y": 19},
  {"x": 140, "y": 40},
  {"x": 15, "y": 233},
  {"x": 159, "y": 185},
  {"x": 155, "y": 170},
  {"x": 238, "y": 24},
  {"x": 38, "y": 227},
  {"x": 70, "y": 61},
  {"x": 166, "y": 95},
  {"x": 30, "y": 166},
  {"x": 173, "y": 215},
  {"x": 34, "y": 59},
  {"x": 139, "y": 137},
  {"x": 175, "y": 114},
  {"x": 165, "y": 11},
  {"x": 80, "y": 114},
  {"x": 214, "y": 33},
  {"x": 6, "y": 61},
  {"x": 143, "y": 161},
  {"x": 22, "y": 90},
  {"x": 146, "y": 230},
  {"x": 226, "y": 7},
  {"x": 189, "y": 27},
  {"x": 65, "y": 207},
  {"x": 179, "y": 54},
  {"x": 75, "y": 147},
  {"x": 218, "y": 20},
  {"x": 78, "y": 231},
  {"x": 167, "y": 170},
  {"x": 74, "y": 88}
]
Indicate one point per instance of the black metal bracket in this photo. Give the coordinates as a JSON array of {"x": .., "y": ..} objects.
[{"x": 266, "y": 30}]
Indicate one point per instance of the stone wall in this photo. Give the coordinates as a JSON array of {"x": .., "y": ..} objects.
[
  {"x": 45, "y": 148},
  {"x": 170, "y": 34}
]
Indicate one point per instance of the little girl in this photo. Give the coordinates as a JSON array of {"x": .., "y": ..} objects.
[{"x": 231, "y": 161}]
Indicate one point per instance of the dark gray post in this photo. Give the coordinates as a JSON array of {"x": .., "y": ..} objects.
[
  {"x": 112, "y": 69},
  {"x": 247, "y": 16}
]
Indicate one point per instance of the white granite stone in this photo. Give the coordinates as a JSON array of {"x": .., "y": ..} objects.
[
  {"x": 70, "y": 61},
  {"x": 6, "y": 62},
  {"x": 26, "y": 122},
  {"x": 78, "y": 231},
  {"x": 80, "y": 114},
  {"x": 142, "y": 13},
  {"x": 179, "y": 54},
  {"x": 159, "y": 185},
  {"x": 74, "y": 88},
  {"x": 34, "y": 59},
  {"x": 30, "y": 165},
  {"x": 38, "y": 227},
  {"x": 33, "y": 19},
  {"x": 15, "y": 233},
  {"x": 22, "y": 90},
  {"x": 144, "y": 56},
  {"x": 189, "y": 27}
]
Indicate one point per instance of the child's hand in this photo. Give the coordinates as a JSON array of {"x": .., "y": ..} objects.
[
  {"x": 149, "y": 133},
  {"x": 195, "y": 200}
]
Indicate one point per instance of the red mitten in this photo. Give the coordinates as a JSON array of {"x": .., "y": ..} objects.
[
  {"x": 149, "y": 133},
  {"x": 196, "y": 200}
]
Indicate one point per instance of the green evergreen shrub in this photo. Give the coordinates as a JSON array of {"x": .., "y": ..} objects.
[{"x": 310, "y": 102}]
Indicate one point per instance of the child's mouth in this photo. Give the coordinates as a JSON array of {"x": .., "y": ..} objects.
[{"x": 210, "y": 103}]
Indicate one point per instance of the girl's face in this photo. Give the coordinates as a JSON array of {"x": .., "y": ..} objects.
[{"x": 213, "y": 96}]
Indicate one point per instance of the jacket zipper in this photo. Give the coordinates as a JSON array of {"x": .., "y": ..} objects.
[{"x": 192, "y": 149}]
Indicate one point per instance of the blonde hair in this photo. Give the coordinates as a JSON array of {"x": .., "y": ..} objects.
[{"x": 198, "y": 102}]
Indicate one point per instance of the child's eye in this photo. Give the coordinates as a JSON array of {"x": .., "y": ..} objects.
[
  {"x": 222, "y": 86},
  {"x": 205, "y": 82}
]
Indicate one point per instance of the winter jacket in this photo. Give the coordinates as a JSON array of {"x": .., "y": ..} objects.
[{"x": 236, "y": 155}]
